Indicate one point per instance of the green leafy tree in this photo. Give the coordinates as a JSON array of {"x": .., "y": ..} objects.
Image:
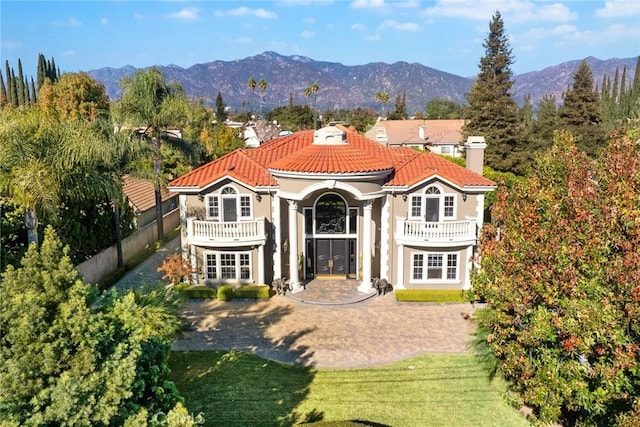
[
  {"x": 400, "y": 107},
  {"x": 560, "y": 271},
  {"x": 581, "y": 112},
  {"x": 440, "y": 108},
  {"x": 70, "y": 356},
  {"x": 492, "y": 111},
  {"x": 251, "y": 84},
  {"x": 293, "y": 117},
  {"x": 73, "y": 96}
]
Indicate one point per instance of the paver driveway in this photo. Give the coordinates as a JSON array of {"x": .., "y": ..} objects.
[{"x": 371, "y": 332}]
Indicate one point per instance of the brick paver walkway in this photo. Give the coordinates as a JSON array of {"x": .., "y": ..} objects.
[
  {"x": 376, "y": 331},
  {"x": 289, "y": 329}
]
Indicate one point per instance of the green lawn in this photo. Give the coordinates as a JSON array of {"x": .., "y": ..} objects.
[{"x": 240, "y": 389}]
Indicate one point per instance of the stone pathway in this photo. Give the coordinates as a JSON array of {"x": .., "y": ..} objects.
[{"x": 147, "y": 271}]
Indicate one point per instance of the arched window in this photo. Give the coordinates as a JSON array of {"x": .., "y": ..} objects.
[{"x": 331, "y": 215}]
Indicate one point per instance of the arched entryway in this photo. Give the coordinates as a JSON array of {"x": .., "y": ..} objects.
[{"x": 331, "y": 228}]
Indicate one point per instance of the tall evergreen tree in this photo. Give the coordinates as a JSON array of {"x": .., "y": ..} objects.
[
  {"x": 3, "y": 92},
  {"x": 581, "y": 112},
  {"x": 15, "y": 101},
  {"x": 492, "y": 110},
  {"x": 8, "y": 74},
  {"x": 20, "y": 84},
  {"x": 42, "y": 70},
  {"x": 221, "y": 114},
  {"x": 34, "y": 92}
]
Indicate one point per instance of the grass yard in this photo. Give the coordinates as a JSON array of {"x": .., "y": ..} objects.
[{"x": 241, "y": 389}]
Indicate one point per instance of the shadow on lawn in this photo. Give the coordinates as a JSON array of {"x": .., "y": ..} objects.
[{"x": 216, "y": 370}]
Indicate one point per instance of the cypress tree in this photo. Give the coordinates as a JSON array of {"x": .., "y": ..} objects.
[
  {"x": 8, "y": 74},
  {"x": 42, "y": 70},
  {"x": 492, "y": 110},
  {"x": 14, "y": 90},
  {"x": 34, "y": 92},
  {"x": 20, "y": 84},
  {"x": 3, "y": 92},
  {"x": 581, "y": 112}
]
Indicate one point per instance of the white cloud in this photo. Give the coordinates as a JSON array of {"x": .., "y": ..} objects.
[
  {"x": 401, "y": 26},
  {"x": 309, "y": 20},
  {"x": 69, "y": 53},
  {"x": 357, "y": 26},
  {"x": 186, "y": 14},
  {"x": 104, "y": 21},
  {"x": 306, "y": 34},
  {"x": 372, "y": 37},
  {"x": 511, "y": 10},
  {"x": 367, "y": 4},
  {"x": 71, "y": 22},
  {"x": 10, "y": 44},
  {"x": 245, "y": 11},
  {"x": 544, "y": 33},
  {"x": 616, "y": 8}
]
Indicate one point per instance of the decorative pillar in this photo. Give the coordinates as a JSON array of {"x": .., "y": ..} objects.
[
  {"x": 194, "y": 264},
  {"x": 277, "y": 238},
  {"x": 185, "y": 225},
  {"x": 294, "y": 280},
  {"x": 365, "y": 285},
  {"x": 468, "y": 268},
  {"x": 400, "y": 269},
  {"x": 260, "y": 265}
]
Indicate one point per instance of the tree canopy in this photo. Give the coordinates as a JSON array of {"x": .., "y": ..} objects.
[{"x": 560, "y": 271}]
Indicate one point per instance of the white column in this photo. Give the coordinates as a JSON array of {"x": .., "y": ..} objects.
[
  {"x": 468, "y": 267},
  {"x": 184, "y": 226},
  {"x": 260, "y": 265},
  {"x": 277, "y": 237},
  {"x": 385, "y": 227},
  {"x": 194, "y": 263},
  {"x": 367, "y": 232},
  {"x": 294, "y": 280},
  {"x": 400, "y": 269}
]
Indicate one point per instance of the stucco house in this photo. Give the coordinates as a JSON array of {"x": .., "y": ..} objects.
[
  {"x": 140, "y": 194},
  {"x": 439, "y": 136},
  {"x": 332, "y": 203}
]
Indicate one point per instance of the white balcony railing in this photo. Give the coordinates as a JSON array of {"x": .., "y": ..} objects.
[
  {"x": 435, "y": 233},
  {"x": 214, "y": 233}
]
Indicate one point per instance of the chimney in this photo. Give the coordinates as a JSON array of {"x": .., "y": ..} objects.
[{"x": 474, "y": 148}]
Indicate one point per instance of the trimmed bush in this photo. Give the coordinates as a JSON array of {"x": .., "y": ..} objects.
[
  {"x": 429, "y": 295},
  {"x": 225, "y": 293},
  {"x": 252, "y": 292},
  {"x": 198, "y": 292}
]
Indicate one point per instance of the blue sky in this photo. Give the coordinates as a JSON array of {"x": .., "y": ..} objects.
[{"x": 443, "y": 34}]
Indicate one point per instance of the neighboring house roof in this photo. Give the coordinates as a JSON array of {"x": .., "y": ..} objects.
[
  {"x": 141, "y": 194},
  {"x": 260, "y": 131},
  {"x": 298, "y": 153},
  {"x": 412, "y": 132}
]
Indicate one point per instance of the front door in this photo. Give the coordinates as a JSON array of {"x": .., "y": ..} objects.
[{"x": 331, "y": 257}]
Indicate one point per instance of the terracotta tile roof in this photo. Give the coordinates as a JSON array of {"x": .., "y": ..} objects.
[
  {"x": 141, "y": 194},
  {"x": 297, "y": 153},
  {"x": 408, "y": 131}
]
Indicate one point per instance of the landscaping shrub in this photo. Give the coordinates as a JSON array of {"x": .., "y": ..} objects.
[
  {"x": 429, "y": 295},
  {"x": 198, "y": 292},
  {"x": 252, "y": 292},
  {"x": 225, "y": 293}
]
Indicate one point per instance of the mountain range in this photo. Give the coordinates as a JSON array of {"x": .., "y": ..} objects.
[{"x": 341, "y": 86}]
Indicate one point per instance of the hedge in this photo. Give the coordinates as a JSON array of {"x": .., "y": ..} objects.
[{"x": 429, "y": 295}]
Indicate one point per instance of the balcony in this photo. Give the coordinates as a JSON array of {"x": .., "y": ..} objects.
[
  {"x": 226, "y": 234},
  {"x": 435, "y": 234}
]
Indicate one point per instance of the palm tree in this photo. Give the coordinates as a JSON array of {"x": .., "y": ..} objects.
[
  {"x": 262, "y": 84},
  {"x": 313, "y": 90},
  {"x": 44, "y": 163},
  {"x": 382, "y": 97},
  {"x": 251, "y": 84},
  {"x": 149, "y": 107}
]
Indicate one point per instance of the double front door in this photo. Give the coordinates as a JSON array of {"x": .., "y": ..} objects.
[{"x": 335, "y": 257}]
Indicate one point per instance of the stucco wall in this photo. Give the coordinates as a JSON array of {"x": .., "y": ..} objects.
[{"x": 104, "y": 263}]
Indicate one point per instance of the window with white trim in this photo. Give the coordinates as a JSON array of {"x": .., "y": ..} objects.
[
  {"x": 427, "y": 267},
  {"x": 227, "y": 266},
  {"x": 432, "y": 206},
  {"x": 229, "y": 206}
]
